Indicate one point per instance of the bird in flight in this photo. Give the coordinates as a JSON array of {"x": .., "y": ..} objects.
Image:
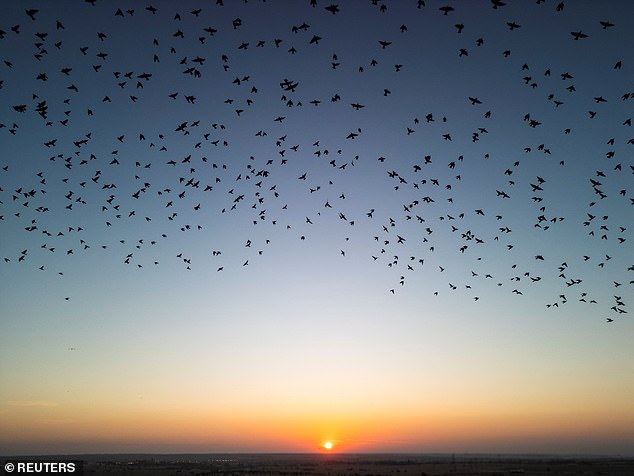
[{"x": 215, "y": 124}]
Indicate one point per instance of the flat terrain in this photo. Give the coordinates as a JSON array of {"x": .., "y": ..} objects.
[{"x": 349, "y": 464}]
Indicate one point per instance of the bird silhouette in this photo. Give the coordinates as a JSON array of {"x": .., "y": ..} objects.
[{"x": 183, "y": 132}]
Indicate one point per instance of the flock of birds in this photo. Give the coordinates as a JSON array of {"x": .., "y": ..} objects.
[{"x": 71, "y": 187}]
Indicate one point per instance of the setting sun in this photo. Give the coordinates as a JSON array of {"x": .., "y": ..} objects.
[{"x": 327, "y": 445}]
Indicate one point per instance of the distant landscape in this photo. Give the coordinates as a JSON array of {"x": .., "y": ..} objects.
[{"x": 343, "y": 464}]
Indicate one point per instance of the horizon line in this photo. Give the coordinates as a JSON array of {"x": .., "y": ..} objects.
[{"x": 337, "y": 453}]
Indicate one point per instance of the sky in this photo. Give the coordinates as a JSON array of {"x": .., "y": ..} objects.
[{"x": 395, "y": 226}]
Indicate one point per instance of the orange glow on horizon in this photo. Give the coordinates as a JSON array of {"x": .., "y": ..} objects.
[{"x": 198, "y": 428}]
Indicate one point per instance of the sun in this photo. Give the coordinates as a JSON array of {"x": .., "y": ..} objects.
[{"x": 328, "y": 445}]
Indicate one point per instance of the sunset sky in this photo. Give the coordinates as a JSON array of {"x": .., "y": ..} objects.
[{"x": 263, "y": 226}]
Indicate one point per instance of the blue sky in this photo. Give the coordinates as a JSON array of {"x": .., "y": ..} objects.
[{"x": 445, "y": 265}]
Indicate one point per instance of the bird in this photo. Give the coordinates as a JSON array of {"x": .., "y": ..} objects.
[
  {"x": 162, "y": 134},
  {"x": 446, "y": 9},
  {"x": 578, "y": 35}
]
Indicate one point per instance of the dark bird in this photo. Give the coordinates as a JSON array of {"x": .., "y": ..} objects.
[
  {"x": 31, "y": 12},
  {"x": 578, "y": 35},
  {"x": 446, "y": 9}
]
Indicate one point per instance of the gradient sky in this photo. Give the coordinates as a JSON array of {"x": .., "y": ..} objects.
[{"x": 171, "y": 284}]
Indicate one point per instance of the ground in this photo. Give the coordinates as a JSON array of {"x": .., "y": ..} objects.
[{"x": 364, "y": 465}]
